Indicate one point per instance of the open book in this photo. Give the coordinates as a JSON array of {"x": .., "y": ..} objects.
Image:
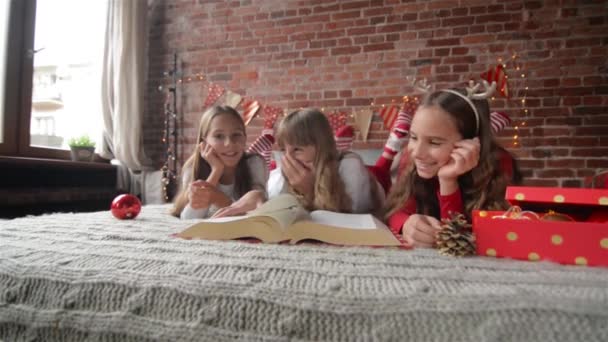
[{"x": 283, "y": 219}]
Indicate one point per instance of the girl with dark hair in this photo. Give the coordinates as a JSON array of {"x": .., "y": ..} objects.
[{"x": 454, "y": 165}]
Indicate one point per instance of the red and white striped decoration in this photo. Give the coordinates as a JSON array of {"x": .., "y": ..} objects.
[
  {"x": 498, "y": 121},
  {"x": 389, "y": 115},
  {"x": 344, "y": 138},
  {"x": 214, "y": 93},
  {"x": 499, "y": 76},
  {"x": 410, "y": 106},
  {"x": 263, "y": 146},
  {"x": 250, "y": 109}
]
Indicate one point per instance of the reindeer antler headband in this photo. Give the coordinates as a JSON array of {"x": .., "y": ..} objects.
[{"x": 472, "y": 93}]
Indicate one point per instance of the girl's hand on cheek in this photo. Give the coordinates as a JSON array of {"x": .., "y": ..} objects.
[
  {"x": 299, "y": 175},
  {"x": 208, "y": 153},
  {"x": 464, "y": 157}
]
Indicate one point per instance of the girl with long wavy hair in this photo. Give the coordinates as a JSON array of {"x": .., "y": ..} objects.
[
  {"x": 315, "y": 171},
  {"x": 455, "y": 165},
  {"x": 219, "y": 178}
]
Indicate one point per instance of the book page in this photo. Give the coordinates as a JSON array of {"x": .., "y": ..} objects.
[
  {"x": 339, "y": 220},
  {"x": 285, "y": 209},
  {"x": 225, "y": 219},
  {"x": 280, "y": 202},
  {"x": 343, "y": 229},
  {"x": 267, "y": 223}
]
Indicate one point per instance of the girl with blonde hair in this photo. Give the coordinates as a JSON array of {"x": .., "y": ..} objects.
[
  {"x": 219, "y": 178},
  {"x": 315, "y": 171}
]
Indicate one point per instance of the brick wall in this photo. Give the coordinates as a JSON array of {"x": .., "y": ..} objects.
[{"x": 345, "y": 55}]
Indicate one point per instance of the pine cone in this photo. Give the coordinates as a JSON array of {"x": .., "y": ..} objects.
[{"x": 456, "y": 238}]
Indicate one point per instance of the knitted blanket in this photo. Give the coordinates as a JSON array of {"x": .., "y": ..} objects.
[{"x": 91, "y": 277}]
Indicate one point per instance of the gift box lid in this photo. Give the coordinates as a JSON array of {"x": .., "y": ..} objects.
[{"x": 556, "y": 196}]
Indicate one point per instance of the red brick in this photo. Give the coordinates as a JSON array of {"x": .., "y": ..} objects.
[
  {"x": 442, "y": 4},
  {"x": 345, "y": 50},
  {"x": 326, "y": 8},
  {"x": 443, "y": 42},
  {"x": 361, "y": 31},
  {"x": 583, "y": 42},
  {"x": 354, "y": 4},
  {"x": 460, "y": 21},
  {"x": 346, "y": 15},
  {"x": 392, "y": 28},
  {"x": 427, "y": 24},
  {"x": 460, "y": 68},
  {"x": 470, "y": 40},
  {"x": 409, "y": 17},
  {"x": 571, "y": 183},
  {"x": 355, "y": 52},
  {"x": 460, "y": 31},
  {"x": 540, "y": 182},
  {"x": 502, "y": 17},
  {"x": 314, "y": 53},
  {"x": 598, "y": 163},
  {"x": 302, "y": 36},
  {"x": 589, "y": 110},
  {"x": 310, "y": 19},
  {"x": 378, "y": 47},
  {"x": 569, "y": 12},
  {"x": 554, "y": 173}
]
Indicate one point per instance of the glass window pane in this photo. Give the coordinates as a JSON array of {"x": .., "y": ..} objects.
[
  {"x": 66, "y": 94},
  {"x": 4, "y": 15}
]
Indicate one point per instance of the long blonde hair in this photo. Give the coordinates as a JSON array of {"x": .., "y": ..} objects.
[
  {"x": 310, "y": 127},
  {"x": 199, "y": 166},
  {"x": 483, "y": 187}
]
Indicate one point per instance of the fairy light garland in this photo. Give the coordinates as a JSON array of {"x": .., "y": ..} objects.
[
  {"x": 169, "y": 137},
  {"x": 513, "y": 65}
]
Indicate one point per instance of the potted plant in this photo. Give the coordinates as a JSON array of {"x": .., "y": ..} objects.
[{"x": 82, "y": 148}]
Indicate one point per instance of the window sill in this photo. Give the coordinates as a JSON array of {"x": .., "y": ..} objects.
[{"x": 54, "y": 163}]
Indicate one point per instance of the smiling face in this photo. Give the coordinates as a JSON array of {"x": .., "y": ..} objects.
[
  {"x": 306, "y": 135},
  {"x": 227, "y": 137},
  {"x": 304, "y": 154},
  {"x": 432, "y": 137}
]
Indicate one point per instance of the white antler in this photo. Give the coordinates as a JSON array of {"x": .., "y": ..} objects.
[
  {"x": 421, "y": 85},
  {"x": 473, "y": 87}
]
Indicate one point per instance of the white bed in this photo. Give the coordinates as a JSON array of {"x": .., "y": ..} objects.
[{"x": 91, "y": 277}]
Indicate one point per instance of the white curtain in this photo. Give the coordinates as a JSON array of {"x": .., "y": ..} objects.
[
  {"x": 123, "y": 86},
  {"x": 123, "y": 77}
]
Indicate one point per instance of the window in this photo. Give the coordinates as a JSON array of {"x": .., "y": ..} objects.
[{"x": 57, "y": 50}]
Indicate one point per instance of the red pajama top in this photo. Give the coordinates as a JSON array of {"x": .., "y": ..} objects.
[{"x": 447, "y": 204}]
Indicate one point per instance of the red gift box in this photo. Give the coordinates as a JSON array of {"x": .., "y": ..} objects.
[{"x": 576, "y": 242}]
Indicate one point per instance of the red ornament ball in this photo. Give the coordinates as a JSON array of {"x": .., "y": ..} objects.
[{"x": 125, "y": 207}]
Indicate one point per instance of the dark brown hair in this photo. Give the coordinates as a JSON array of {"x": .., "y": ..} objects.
[{"x": 483, "y": 187}]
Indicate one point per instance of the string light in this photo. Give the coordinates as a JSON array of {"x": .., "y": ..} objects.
[
  {"x": 197, "y": 77},
  {"x": 521, "y": 96},
  {"x": 169, "y": 169}
]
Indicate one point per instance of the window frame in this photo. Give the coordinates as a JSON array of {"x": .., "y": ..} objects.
[{"x": 19, "y": 86}]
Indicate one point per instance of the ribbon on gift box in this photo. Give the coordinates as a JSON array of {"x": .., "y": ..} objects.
[
  {"x": 516, "y": 213},
  {"x": 555, "y": 216}
]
